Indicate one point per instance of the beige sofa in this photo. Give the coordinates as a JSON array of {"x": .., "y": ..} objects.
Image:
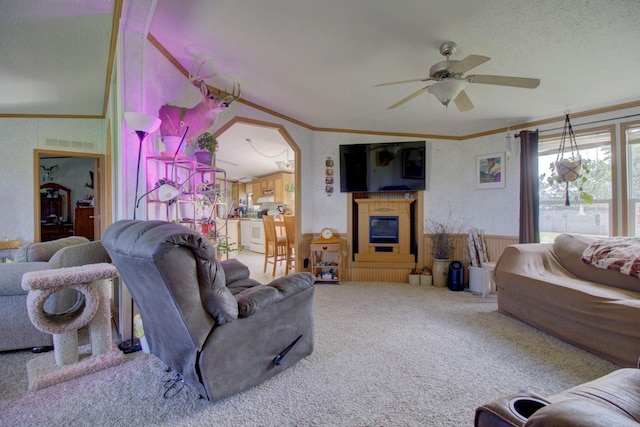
[
  {"x": 549, "y": 287},
  {"x": 16, "y": 330}
]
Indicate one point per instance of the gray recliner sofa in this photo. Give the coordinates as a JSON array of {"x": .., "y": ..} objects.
[
  {"x": 609, "y": 401},
  {"x": 16, "y": 330},
  {"x": 208, "y": 321}
]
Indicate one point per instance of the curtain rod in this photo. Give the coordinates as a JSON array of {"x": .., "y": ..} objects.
[{"x": 583, "y": 124}]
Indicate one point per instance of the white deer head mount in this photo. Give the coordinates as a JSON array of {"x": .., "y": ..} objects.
[{"x": 201, "y": 117}]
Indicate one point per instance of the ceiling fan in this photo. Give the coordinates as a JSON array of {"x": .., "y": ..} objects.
[{"x": 450, "y": 80}]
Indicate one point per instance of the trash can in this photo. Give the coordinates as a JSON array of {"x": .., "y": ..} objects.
[{"x": 456, "y": 276}]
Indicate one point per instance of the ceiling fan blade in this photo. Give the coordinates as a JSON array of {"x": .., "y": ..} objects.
[
  {"x": 403, "y": 81},
  {"x": 468, "y": 63},
  {"x": 408, "y": 98},
  {"x": 463, "y": 102},
  {"x": 523, "y": 82}
]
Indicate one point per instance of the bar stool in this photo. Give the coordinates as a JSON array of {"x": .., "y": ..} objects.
[
  {"x": 290, "y": 228},
  {"x": 275, "y": 249}
]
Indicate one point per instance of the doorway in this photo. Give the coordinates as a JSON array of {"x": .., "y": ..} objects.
[
  {"x": 249, "y": 141},
  {"x": 68, "y": 195}
]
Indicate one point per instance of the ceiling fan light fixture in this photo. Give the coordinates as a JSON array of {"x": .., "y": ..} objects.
[
  {"x": 288, "y": 166},
  {"x": 447, "y": 90}
]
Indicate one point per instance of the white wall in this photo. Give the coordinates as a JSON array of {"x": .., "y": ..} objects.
[
  {"x": 18, "y": 139},
  {"x": 451, "y": 188},
  {"x": 495, "y": 210}
]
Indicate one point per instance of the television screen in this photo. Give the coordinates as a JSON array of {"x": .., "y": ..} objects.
[{"x": 393, "y": 166}]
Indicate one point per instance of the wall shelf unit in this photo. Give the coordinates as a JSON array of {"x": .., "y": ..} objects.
[{"x": 204, "y": 194}]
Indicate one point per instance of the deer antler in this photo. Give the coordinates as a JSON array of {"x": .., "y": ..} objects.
[
  {"x": 194, "y": 78},
  {"x": 232, "y": 96}
]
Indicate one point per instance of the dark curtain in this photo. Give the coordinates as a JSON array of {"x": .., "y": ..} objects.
[{"x": 529, "y": 197}]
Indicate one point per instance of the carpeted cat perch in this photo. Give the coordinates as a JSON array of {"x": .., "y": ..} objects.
[{"x": 68, "y": 361}]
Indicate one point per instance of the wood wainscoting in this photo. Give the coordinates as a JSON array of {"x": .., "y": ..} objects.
[
  {"x": 495, "y": 246},
  {"x": 382, "y": 272}
]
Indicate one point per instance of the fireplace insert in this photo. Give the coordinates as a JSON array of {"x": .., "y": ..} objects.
[{"x": 383, "y": 229}]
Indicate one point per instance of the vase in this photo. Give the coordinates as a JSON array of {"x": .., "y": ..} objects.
[
  {"x": 414, "y": 279},
  {"x": 426, "y": 279},
  {"x": 172, "y": 144},
  {"x": 204, "y": 157},
  {"x": 440, "y": 272},
  {"x": 187, "y": 211}
]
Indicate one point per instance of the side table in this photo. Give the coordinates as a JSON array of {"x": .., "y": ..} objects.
[{"x": 326, "y": 260}]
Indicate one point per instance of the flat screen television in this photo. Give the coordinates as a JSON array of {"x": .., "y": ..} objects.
[{"x": 383, "y": 166}]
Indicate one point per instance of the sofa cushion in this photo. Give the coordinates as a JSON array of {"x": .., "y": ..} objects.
[
  {"x": 579, "y": 412},
  {"x": 256, "y": 298},
  {"x": 11, "y": 276},
  {"x": 82, "y": 254},
  {"x": 234, "y": 270},
  {"x": 43, "y": 251},
  {"x": 569, "y": 248}
]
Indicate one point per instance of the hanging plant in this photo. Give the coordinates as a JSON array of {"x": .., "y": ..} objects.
[{"x": 569, "y": 166}]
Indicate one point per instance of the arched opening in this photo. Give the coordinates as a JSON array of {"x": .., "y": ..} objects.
[{"x": 250, "y": 149}]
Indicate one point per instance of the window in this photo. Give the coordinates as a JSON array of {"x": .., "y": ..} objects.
[
  {"x": 632, "y": 139},
  {"x": 579, "y": 217}
]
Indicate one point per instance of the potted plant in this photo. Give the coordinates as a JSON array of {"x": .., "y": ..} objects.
[
  {"x": 571, "y": 171},
  {"x": 441, "y": 249},
  {"x": 206, "y": 145},
  {"x": 223, "y": 246},
  {"x": 206, "y": 198}
]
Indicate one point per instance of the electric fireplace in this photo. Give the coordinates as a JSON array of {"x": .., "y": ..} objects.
[{"x": 383, "y": 229}]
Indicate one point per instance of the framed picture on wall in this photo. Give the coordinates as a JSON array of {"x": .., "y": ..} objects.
[
  {"x": 490, "y": 170},
  {"x": 413, "y": 163}
]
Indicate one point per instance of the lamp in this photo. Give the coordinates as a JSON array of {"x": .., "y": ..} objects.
[
  {"x": 166, "y": 192},
  {"x": 143, "y": 125},
  {"x": 447, "y": 90}
]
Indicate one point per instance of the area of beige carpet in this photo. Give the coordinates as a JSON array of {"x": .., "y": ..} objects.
[
  {"x": 387, "y": 354},
  {"x": 43, "y": 372}
]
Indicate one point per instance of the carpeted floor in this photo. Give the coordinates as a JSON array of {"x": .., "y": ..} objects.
[{"x": 387, "y": 354}]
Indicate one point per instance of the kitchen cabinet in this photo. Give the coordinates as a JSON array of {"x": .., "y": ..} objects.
[
  {"x": 273, "y": 185},
  {"x": 278, "y": 189}
]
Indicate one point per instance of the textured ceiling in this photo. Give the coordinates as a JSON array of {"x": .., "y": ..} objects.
[
  {"x": 317, "y": 61},
  {"x": 54, "y": 56}
]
